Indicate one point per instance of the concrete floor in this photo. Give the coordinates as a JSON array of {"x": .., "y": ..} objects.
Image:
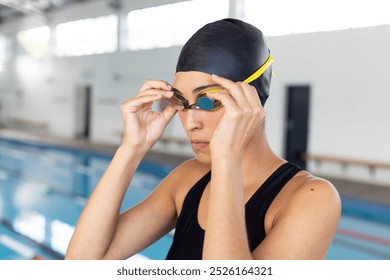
[{"x": 354, "y": 189}]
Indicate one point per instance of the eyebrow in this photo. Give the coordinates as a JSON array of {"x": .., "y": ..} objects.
[
  {"x": 201, "y": 88},
  {"x": 196, "y": 90}
]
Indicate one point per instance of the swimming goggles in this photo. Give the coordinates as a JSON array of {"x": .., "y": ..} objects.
[{"x": 203, "y": 102}]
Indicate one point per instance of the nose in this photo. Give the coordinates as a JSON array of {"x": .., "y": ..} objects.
[{"x": 192, "y": 119}]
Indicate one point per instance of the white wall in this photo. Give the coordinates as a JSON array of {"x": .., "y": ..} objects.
[
  {"x": 349, "y": 75},
  {"x": 348, "y": 72},
  {"x": 49, "y": 86}
]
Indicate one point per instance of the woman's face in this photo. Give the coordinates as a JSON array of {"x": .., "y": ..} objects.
[{"x": 198, "y": 124}]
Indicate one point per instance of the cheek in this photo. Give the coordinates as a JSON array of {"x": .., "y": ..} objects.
[
  {"x": 182, "y": 116},
  {"x": 210, "y": 119},
  {"x": 214, "y": 118}
]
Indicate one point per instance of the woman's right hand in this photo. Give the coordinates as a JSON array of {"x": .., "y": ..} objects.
[{"x": 143, "y": 126}]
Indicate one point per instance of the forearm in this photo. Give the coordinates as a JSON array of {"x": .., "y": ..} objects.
[
  {"x": 97, "y": 224},
  {"x": 226, "y": 236}
]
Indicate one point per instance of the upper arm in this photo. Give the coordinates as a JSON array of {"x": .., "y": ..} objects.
[
  {"x": 304, "y": 229},
  {"x": 144, "y": 223}
]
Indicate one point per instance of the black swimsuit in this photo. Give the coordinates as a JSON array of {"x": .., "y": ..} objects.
[{"x": 188, "y": 239}]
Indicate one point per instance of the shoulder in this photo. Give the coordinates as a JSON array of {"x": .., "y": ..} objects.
[
  {"x": 313, "y": 195},
  {"x": 173, "y": 188},
  {"x": 183, "y": 178},
  {"x": 305, "y": 222},
  {"x": 316, "y": 189},
  {"x": 190, "y": 169}
]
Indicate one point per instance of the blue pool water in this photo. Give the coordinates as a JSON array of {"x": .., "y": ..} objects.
[{"x": 43, "y": 189}]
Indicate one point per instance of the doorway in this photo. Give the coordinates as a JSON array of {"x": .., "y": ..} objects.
[
  {"x": 297, "y": 124},
  {"x": 83, "y": 111}
]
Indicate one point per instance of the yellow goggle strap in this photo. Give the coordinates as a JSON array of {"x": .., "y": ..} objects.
[{"x": 260, "y": 71}]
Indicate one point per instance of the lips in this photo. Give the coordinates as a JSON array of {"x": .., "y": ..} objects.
[{"x": 198, "y": 144}]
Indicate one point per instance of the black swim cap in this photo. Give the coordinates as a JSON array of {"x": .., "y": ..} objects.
[{"x": 229, "y": 48}]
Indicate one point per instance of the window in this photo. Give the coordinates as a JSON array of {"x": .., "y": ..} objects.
[
  {"x": 173, "y": 24},
  {"x": 279, "y": 17},
  {"x": 34, "y": 42},
  {"x": 3, "y": 49},
  {"x": 87, "y": 36},
  {"x": 3, "y": 52}
]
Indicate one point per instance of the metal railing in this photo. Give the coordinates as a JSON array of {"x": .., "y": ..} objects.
[{"x": 345, "y": 161}]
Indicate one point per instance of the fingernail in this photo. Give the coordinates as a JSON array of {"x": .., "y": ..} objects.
[
  {"x": 169, "y": 92},
  {"x": 214, "y": 75}
]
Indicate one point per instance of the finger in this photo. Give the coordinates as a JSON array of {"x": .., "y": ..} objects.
[
  {"x": 165, "y": 93},
  {"x": 235, "y": 89},
  {"x": 158, "y": 84},
  {"x": 133, "y": 104},
  {"x": 254, "y": 100},
  {"x": 251, "y": 94},
  {"x": 168, "y": 113},
  {"x": 226, "y": 99}
]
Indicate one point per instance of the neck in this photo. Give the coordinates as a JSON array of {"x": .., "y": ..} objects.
[{"x": 259, "y": 157}]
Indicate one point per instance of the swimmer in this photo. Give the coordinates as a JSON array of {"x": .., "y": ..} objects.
[{"x": 236, "y": 199}]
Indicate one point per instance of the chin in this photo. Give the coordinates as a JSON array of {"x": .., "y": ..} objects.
[{"x": 203, "y": 158}]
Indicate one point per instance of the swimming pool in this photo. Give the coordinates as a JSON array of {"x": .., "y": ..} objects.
[{"x": 43, "y": 189}]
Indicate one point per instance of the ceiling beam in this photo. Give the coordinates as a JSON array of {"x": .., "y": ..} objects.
[{"x": 21, "y": 8}]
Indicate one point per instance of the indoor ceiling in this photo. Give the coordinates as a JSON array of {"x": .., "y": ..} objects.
[{"x": 16, "y": 8}]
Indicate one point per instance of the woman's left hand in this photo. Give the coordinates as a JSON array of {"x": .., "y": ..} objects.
[{"x": 243, "y": 118}]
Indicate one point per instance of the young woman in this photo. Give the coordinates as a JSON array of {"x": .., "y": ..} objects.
[{"x": 236, "y": 199}]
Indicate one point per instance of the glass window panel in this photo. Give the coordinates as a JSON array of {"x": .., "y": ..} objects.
[
  {"x": 3, "y": 49},
  {"x": 87, "y": 36},
  {"x": 279, "y": 17},
  {"x": 3, "y": 52},
  {"x": 172, "y": 24},
  {"x": 34, "y": 42}
]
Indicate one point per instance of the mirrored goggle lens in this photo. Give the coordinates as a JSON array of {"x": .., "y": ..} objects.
[
  {"x": 203, "y": 102},
  {"x": 206, "y": 103},
  {"x": 176, "y": 102}
]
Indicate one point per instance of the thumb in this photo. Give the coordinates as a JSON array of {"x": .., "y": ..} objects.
[{"x": 168, "y": 113}]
